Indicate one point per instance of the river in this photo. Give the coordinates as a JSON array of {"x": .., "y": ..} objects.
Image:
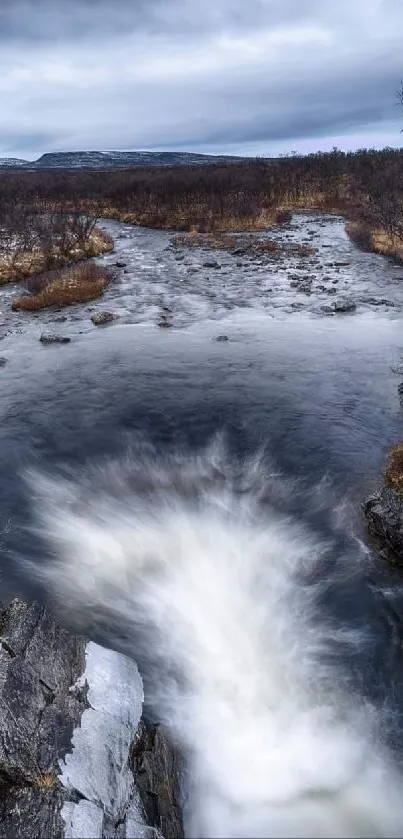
[{"x": 196, "y": 503}]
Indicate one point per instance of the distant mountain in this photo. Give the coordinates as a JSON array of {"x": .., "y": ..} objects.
[
  {"x": 113, "y": 160},
  {"x": 12, "y": 162}
]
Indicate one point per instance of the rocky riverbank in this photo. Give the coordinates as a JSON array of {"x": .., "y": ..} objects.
[
  {"x": 74, "y": 758},
  {"x": 384, "y": 509}
]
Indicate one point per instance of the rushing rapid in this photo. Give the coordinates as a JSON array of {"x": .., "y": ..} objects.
[{"x": 218, "y": 589}]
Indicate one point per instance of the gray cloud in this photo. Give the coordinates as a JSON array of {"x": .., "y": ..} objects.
[
  {"x": 42, "y": 20},
  {"x": 186, "y": 74}
]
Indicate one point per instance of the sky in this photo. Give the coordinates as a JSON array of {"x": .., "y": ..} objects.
[{"x": 253, "y": 77}]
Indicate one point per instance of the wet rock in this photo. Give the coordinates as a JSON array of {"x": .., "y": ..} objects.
[
  {"x": 384, "y": 514},
  {"x": 3, "y": 361},
  {"x": 373, "y": 301},
  {"x": 222, "y": 338},
  {"x": 341, "y": 264},
  {"x": 60, "y": 319},
  {"x": 400, "y": 392},
  {"x": 344, "y": 305},
  {"x": 101, "y": 318},
  {"x": 121, "y": 264},
  {"x": 48, "y": 338},
  {"x": 165, "y": 321},
  {"x": 320, "y": 288},
  {"x": 212, "y": 264},
  {"x": 39, "y": 661},
  {"x": 158, "y": 769},
  {"x": 331, "y": 291},
  {"x": 339, "y": 306}
]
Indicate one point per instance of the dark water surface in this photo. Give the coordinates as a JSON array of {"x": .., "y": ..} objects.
[{"x": 317, "y": 394}]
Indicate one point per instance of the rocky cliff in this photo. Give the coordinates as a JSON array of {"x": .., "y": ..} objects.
[{"x": 74, "y": 758}]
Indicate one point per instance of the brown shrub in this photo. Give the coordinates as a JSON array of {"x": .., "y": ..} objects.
[
  {"x": 64, "y": 286},
  {"x": 267, "y": 246},
  {"x": 394, "y": 469},
  {"x": 283, "y": 217},
  {"x": 360, "y": 233}
]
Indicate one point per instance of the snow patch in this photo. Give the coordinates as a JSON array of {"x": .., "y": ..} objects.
[{"x": 97, "y": 770}]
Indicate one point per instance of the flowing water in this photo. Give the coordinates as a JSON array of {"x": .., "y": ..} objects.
[{"x": 196, "y": 504}]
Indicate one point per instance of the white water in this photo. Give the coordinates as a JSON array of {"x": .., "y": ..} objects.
[{"x": 193, "y": 558}]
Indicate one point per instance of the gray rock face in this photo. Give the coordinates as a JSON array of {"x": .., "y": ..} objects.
[
  {"x": 384, "y": 514},
  {"x": 158, "y": 769},
  {"x": 39, "y": 661},
  {"x": 48, "y": 338},
  {"x": 74, "y": 760}
]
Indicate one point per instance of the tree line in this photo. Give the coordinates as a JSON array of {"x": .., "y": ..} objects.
[{"x": 366, "y": 184}]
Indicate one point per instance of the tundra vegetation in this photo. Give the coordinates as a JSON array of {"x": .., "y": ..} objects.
[{"x": 49, "y": 219}]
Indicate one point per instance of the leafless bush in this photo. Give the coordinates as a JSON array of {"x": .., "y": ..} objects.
[{"x": 65, "y": 286}]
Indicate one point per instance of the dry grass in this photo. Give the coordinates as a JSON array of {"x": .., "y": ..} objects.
[
  {"x": 266, "y": 246},
  {"x": 375, "y": 240},
  {"x": 46, "y": 781},
  {"x": 65, "y": 286},
  {"x": 33, "y": 262},
  {"x": 387, "y": 245},
  {"x": 212, "y": 241},
  {"x": 247, "y": 246},
  {"x": 394, "y": 469},
  {"x": 196, "y": 220}
]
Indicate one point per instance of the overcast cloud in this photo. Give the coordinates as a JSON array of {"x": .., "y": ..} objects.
[{"x": 221, "y": 76}]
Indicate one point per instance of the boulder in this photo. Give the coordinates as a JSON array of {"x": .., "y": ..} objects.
[
  {"x": 100, "y": 318},
  {"x": 342, "y": 305},
  {"x": 3, "y": 361},
  {"x": 212, "y": 264},
  {"x": 384, "y": 514},
  {"x": 121, "y": 264},
  {"x": 48, "y": 338}
]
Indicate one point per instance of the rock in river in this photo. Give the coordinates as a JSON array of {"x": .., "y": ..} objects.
[
  {"x": 103, "y": 317},
  {"x": 341, "y": 305},
  {"x": 49, "y": 338}
]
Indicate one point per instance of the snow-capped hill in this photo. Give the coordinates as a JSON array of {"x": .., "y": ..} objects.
[
  {"x": 113, "y": 160},
  {"x": 12, "y": 162}
]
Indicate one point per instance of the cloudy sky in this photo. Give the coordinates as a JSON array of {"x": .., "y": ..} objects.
[{"x": 221, "y": 76}]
